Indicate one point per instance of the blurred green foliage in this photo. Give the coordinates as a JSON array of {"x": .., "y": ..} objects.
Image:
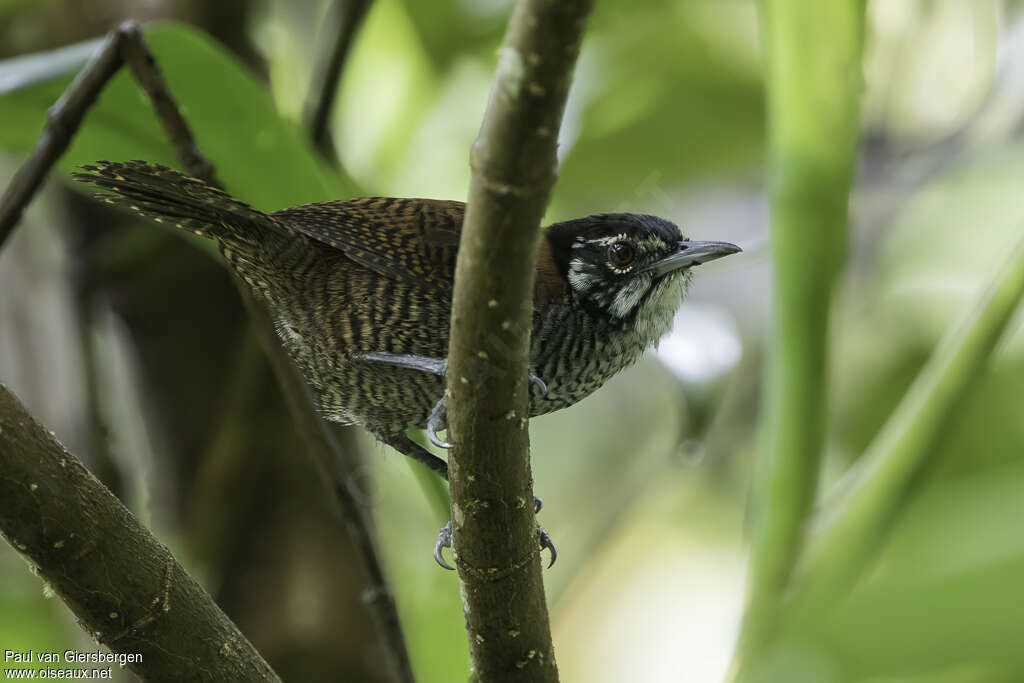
[{"x": 667, "y": 110}]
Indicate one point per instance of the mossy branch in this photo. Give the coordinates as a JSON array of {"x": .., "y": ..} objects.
[
  {"x": 122, "y": 584},
  {"x": 514, "y": 167}
]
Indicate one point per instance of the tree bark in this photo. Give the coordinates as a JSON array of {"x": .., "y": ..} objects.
[
  {"x": 125, "y": 587},
  {"x": 514, "y": 167}
]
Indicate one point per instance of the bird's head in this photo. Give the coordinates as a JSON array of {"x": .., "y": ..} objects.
[{"x": 632, "y": 268}]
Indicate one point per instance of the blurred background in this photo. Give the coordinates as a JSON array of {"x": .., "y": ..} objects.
[{"x": 130, "y": 343}]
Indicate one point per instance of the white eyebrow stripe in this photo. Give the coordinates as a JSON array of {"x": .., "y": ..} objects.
[
  {"x": 605, "y": 241},
  {"x": 648, "y": 244}
]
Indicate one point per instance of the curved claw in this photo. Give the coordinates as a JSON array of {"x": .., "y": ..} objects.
[
  {"x": 444, "y": 540},
  {"x": 541, "y": 384},
  {"x": 436, "y": 422},
  {"x": 546, "y": 542},
  {"x": 545, "y": 539}
]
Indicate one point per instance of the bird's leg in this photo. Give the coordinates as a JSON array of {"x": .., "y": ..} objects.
[
  {"x": 408, "y": 446},
  {"x": 438, "y": 418}
]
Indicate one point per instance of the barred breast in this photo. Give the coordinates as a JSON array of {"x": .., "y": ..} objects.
[{"x": 575, "y": 353}]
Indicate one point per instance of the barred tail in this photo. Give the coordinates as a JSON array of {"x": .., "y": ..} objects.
[{"x": 167, "y": 196}]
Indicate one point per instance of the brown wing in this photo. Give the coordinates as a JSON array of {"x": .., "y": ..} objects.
[{"x": 415, "y": 240}]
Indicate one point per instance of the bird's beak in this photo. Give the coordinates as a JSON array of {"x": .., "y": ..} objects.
[{"x": 692, "y": 253}]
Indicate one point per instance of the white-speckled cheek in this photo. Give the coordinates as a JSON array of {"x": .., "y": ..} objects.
[
  {"x": 582, "y": 276},
  {"x": 629, "y": 296}
]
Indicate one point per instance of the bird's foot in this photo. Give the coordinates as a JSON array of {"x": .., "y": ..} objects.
[
  {"x": 545, "y": 539},
  {"x": 438, "y": 419},
  {"x": 444, "y": 540},
  {"x": 546, "y": 542}
]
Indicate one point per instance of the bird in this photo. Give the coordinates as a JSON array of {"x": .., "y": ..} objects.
[{"x": 360, "y": 291}]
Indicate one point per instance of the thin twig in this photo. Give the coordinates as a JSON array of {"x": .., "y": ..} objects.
[
  {"x": 124, "y": 586},
  {"x": 324, "y": 91},
  {"x": 123, "y": 44},
  {"x": 62, "y": 122},
  {"x": 126, "y": 45},
  {"x": 136, "y": 54},
  {"x": 514, "y": 167}
]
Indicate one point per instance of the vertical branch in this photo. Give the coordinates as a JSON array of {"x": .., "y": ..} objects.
[
  {"x": 514, "y": 167},
  {"x": 320, "y": 104},
  {"x": 813, "y": 76},
  {"x": 98, "y": 450}
]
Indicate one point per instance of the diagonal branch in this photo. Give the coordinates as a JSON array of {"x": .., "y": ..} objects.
[
  {"x": 514, "y": 166},
  {"x": 135, "y": 53},
  {"x": 123, "y": 585},
  {"x": 856, "y": 520},
  {"x": 125, "y": 45}
]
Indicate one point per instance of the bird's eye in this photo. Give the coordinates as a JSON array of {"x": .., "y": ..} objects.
[{"x": 620, "y": 254}]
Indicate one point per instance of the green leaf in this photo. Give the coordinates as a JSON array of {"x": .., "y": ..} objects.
[
  {"x": 944, "y": 598},
  {"x": 259, "y": 156},
  {"x": 665, "y": 94},
  {"x": 661, "y": 100}
]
